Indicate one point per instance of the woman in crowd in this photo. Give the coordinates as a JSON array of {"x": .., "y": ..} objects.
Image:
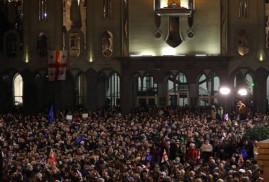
[{"x": 140, "y": 146}]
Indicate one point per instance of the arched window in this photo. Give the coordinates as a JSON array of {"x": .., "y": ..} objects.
[
  {"x": 107, "y": 44},
  {"x": 42, "y": 45},
  {"x": 249, "y": 82},
  {"x": 178, "y": 90},
  {"x": 113, "y": 90},
  {"x": 81, "y": 90},
  {"x": 107, "y": 10},
  {"x": 42, "y": 13},
  {"x": 208, "y": 87},
  {"x": 246, "y": 82},
  {"x": 74, "y": 44},
  {"x": 11, "y": 45},
  {"x": 18, "y": 89},
  {"x": 74, "y": 16},
  {"x": 147, "y": 90}
]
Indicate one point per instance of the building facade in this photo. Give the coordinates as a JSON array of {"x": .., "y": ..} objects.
[{"x": 134, "y": 52}]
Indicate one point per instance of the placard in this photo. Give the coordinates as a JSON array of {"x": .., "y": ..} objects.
[
  {"x": 85, "y": 115},
  {"x": 69, "y": 117}
]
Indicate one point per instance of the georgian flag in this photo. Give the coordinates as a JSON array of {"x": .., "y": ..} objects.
[
  {"x": 52, "y": 160},
  {"x": 57, "y": 65},
  {"x": 164, "y": 157}
]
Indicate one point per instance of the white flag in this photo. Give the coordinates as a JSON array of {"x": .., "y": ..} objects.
[{"x": 164, "y": 157}]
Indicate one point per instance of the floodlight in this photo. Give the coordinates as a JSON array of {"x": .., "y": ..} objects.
[
  {"x": 242, "y": 92},
  {"x": 225, "y": 91}
]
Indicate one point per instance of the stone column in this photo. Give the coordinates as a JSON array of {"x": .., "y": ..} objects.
[
  {"x": 91, "y": 102},
  {"x": 126, "y": 94}
]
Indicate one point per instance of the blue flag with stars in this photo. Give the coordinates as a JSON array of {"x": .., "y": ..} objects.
[{"x": 51, "y": 115}]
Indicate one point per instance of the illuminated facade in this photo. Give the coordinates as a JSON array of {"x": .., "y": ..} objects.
[{"x": 134, "y": 52}]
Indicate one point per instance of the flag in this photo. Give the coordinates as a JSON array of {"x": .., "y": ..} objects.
[
  {"x": 51, "y": 114},
  {"x": 226, "y": 117},
  {"x": 42, "y": 162},
  {"x": 240, "y": 160},
  {"x": 244, "y": 152},
  {"x": 148, "y": 157},
  {"x": 79, "y": 139},
  {"x": 164, "y": 157},
  {"x": 52, "y": 160},
  {"x": 57, "y": 65}
]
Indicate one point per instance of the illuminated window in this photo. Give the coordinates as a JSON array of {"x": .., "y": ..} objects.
[
  {"x": 107, "y": 10},
  {"x": 208, "y": 87},
  {"x": 113, "y": 90},
  {"x": 178, "y": 90},
  {"x": 42, "y": 13},
  {"x": 18, "y": 89},
  {"x": 74, "y": 44},
  {"x": 249, "y": 83}
]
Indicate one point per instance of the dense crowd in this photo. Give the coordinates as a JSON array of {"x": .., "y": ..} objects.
[{"x": 150, "y": 144}]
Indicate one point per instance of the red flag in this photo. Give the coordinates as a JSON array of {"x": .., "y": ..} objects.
[
  {"x": 52, "y": 160},
  {"x": 164, "y": 157},
  {"x": 240, "y": 160},
  {"x": 57, "y": 65}
]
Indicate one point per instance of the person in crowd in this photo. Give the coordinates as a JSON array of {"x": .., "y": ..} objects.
[{"x": 113, "y": 147}]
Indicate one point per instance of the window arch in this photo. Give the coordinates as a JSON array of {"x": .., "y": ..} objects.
[
  {"x": 246, "y": 81},
  {"x": 147, "y": 90},
  {"x": 208, "y": 87},
  {"x": 178, "y": 90},
  {"x": 113, "y": 90},
  {"x": 42, "y": 13},
  {"x": 107, "y": 44},
  {"x": 18, "y": 89},
  {"x": 42, "y": 44},
  {"x": 11, "y": 45}
]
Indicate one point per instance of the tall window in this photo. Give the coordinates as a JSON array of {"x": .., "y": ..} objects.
[
  {"x": 11, "y": 45},
  {"x": 81, "y": 90},
  {"x": 113, "y": 90},
  {"x": 42, "y": 45},
  {"x": 42, "y": 13},
  {"x": 147, "y": 90},
  {"x": 107, "y": 10},
  {"x": 74, "y": 16},
  {"x": 18, "y": 89},
  {"x": 208, "y": 87},
  {"x": 178, "y": 90}
]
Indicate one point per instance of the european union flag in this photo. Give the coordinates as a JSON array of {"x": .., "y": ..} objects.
[
  {"x": 244, "y": 152},
  {"x": 51, "y": 115},
  {"x": 79, "y": 139}
]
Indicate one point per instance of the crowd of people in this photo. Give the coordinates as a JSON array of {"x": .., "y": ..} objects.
[{"x": 151, "y": 144}]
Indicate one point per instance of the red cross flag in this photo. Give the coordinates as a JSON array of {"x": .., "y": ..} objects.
[
  {"x": 164, "y": 157},
  {"x": 57, "y": 65}
]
